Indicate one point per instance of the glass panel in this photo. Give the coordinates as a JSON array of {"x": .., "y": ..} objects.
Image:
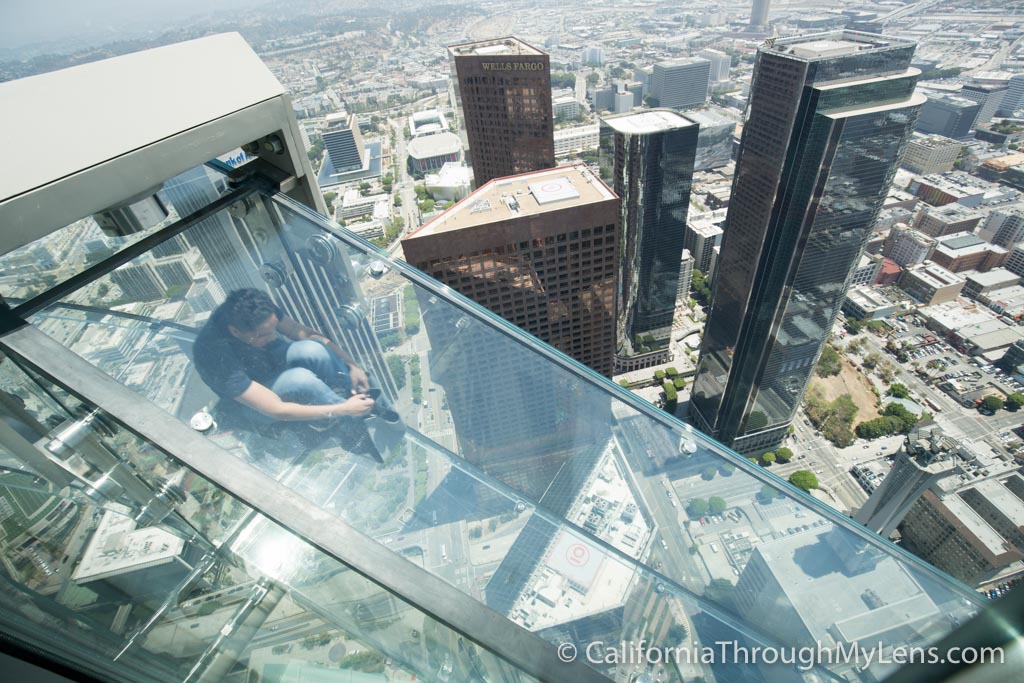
[
  {"x": 521, "y": 478},
  {"x": 64, "y": 253},
  {"x": 132, "y": 581}
]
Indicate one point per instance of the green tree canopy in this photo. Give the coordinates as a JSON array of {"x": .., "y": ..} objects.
[
  {"x": 830, "y": 362},
  {"x": 992, "y": 403},
  {"x": 804, "y": 479},
  {"x": 708, "y": 473},
  {"x": 899, "y": 390},
  {"x": 716, "y": 505},
  {"x": 768, "y": 458},
  {"x": 1014, "y": 401},
  {"x": 697, "y": 507},
  {"x": 783, "y": 454}
]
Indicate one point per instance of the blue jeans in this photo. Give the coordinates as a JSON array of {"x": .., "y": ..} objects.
[{"x": 315, "y": 376}]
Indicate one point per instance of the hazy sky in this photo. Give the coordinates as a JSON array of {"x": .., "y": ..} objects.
[{"x": 23, "y": 22}]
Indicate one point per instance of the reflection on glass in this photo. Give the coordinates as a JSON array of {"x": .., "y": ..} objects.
[
  {"x": 93, "y": 577},
  {"x": 518, "y": 478}
]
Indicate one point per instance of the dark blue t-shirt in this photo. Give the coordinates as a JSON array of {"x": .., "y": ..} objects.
[{"x": 228, "y": 365}]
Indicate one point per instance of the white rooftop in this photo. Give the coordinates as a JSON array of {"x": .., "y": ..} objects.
[
  {"x": 824, "y": 48},
  {"x": 654, "y": 121}
]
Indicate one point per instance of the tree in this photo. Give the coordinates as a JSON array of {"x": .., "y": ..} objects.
[
  {"x": 329, "y": 198},
  {"x": 708, "y": 473},
  {"x": 899, "y": 390},
  {"x": 726, "y": 469},
  {"x": 767, "y": 494},
  {"x": 716, "y": 505},
  {"x": 592, "y": 78},
  {"x": 804, "y": 479},
  {"x": 677, "y": 633},
  {"x": 397, "y": 368},
  {"x": 1014, "y": 401},
  {"x": 768, "y": 458},
  {"x": 783, "y": 454},
  {"x": 701, "y": 291},
  {"x": 992, "y": 403},
  {"x": 697, "y": 507},
  {"x": 720, "y": 591},
  {"x": 871, "y": 361},
  {"x": 830, "y": 362},
  {"x": 398, "y": 200}
]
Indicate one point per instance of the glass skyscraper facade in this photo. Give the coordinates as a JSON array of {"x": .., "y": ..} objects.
[
  {"x": 647, "y": 159},
  {"x": 828, "y": 120}
]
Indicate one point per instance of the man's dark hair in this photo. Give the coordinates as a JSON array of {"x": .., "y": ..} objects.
[{"x": 245, "y": 309}]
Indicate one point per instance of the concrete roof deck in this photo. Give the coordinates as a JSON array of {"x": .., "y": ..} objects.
[{"x": 521, "y": 195}]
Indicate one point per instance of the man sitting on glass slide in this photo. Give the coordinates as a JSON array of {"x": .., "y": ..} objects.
[{"x": 250, "y": 352}]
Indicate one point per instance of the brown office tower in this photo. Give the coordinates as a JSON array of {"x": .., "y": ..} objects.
[
  {"x": 540, "y": 250},
  {"x": 503, "y": 89}
]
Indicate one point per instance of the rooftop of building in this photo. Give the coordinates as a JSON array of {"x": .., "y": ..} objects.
[
  {"x": 831, "y": 600},
  {"x": 495, "y": 47},
  {"x": 833, "y": 44},
  {"x": 651, "y": 121},
  {"x": 339, "y": 121},
  {"x": 866, "y": 297},
  {"x": 933, "y": 141},
  {"x": 934, "y": 275},
  {"x": 451, "y": 174},
  {"x": 1003, "y": 499},
  {"x": 681, "y": 61},
  {"x": 117, "y": 546},
  {"x": 952, "y": 211},
  {"x": 996, "y": 276},
  {"x": 951, "y": 99},
  {"x": 960, "y": 240},
  {"x": 519, "y": 196},
  {"x": 975, "y": 524},
  {"x": 439, "y": 144}
]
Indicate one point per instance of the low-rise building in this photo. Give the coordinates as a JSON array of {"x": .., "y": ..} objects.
[
  {"x": 1015, "y": 261},
  {"x": 927, "y": 154},
  {"x": 427, "y": 122},
  {"x": 431, "y": 152},
  {"x": 569, "y": 141},
  {"x": 931, "y": 284},
  {"x": 939, "y": 221},
  {"x": 907, "y": 247},
  {"x": 867, "y": 270},
  {"x": 450, "y": 183},
  {"x": 976, "y": 284},
  {"x": 966, "y": 251},
  {"x": 958, "y": 187},
  {"x": 867, "y": 304}
]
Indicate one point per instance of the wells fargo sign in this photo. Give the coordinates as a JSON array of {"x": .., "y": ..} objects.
[{"x": 513, "y": 66}]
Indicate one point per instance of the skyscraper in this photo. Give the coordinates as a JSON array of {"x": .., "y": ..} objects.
[
  {"x": 829, "y": 117},
  {"x": 539, "y": 249},
  {"x": 647, "y": 159},
  {"x": 720, "y": 63},
  {"x": 503, "y": 89},
  {"x": 681, "y": 83},
  {"x": 759, "y": 13},
  {"x": 344, "y": 143}
]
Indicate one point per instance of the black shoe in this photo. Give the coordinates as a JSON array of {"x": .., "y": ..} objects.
[
  {"x": 359, "y": 442},
  {"x": 382, "y": 408}
]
